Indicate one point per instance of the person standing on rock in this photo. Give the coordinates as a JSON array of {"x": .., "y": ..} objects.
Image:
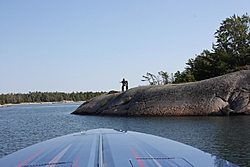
[{"x": 124, "y": 84}]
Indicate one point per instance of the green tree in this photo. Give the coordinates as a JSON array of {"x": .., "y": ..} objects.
[
  {"x": 183, "y": 77},
  {"x": 46, "y": 97},
  {"x": 233, "y": 40},
  {"x": 151, "y": 78},
  {"x": 201, "y": 66},
  {"x": 164, "y": 77},
  {"x": 161, "y": 79},
  {"x": 231, "y": 52}
]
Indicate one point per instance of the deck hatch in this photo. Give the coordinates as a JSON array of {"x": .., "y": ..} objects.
[
  {"x": 163, "y": 161},
  {"x": 58, "y": 164}
]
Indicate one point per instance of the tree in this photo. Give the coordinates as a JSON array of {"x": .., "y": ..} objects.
[
  {"x": 46, "y": 97},
  {"x": 151, "y": 78},
  {"x": 233, "y": 38},
  {"x": 164, "y": 76},
  {"x": 183, "y": 77},
  {"x": 201, "y": 66},
  {"x": 231, "y": 52},
  {"x": 161, "y": 79}
]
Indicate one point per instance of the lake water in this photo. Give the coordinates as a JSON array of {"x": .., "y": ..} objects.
[{"x": 24, "y": 125}]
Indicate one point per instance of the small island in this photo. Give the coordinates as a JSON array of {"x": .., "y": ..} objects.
[
  {"x": 215, "y": 82},
  {"x": 223, "y": 95}
]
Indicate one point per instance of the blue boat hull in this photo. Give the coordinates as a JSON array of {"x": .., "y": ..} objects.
[{"x": 111, "y": 148}]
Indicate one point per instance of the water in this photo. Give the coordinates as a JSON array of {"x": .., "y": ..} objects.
[{"x": 24, "y": 125}]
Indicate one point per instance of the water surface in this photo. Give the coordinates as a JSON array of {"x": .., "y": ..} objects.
[{"x": 24, "y": 125}]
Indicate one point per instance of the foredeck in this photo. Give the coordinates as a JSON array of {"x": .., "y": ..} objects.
[{"x": 111, "y": 148}]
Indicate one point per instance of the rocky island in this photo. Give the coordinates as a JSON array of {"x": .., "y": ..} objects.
[{"x": 224, "y": 95}]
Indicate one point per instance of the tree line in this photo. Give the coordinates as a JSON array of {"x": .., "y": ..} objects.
[
  {"x": 37, "y": 97},
  {"x": 230, "y": 52}
]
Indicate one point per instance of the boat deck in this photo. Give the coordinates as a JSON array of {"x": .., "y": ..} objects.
[{"x": 111, "y": 148}]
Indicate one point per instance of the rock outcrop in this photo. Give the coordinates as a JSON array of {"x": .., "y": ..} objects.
[{"x": 223, "y": 95}]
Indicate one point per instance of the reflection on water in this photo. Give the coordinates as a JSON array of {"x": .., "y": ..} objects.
[{"x": 226, "y": 137}]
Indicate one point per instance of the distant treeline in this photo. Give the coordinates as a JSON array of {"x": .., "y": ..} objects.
[{"x": 31, "y": 97}]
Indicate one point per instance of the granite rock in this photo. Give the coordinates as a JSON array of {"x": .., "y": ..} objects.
[{"x": 224, "y": 95}]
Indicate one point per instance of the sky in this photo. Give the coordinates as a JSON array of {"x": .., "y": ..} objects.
[{"x": 90, "y": 45}]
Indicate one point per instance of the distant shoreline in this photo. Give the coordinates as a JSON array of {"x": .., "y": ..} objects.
[{"x": 32, "y": 103}]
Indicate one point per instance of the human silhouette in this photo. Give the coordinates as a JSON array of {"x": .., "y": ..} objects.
[{"x": 124, "y": 84}]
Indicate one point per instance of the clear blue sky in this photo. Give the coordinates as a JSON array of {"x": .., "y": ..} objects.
[{"x": 85, "y": 45}]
